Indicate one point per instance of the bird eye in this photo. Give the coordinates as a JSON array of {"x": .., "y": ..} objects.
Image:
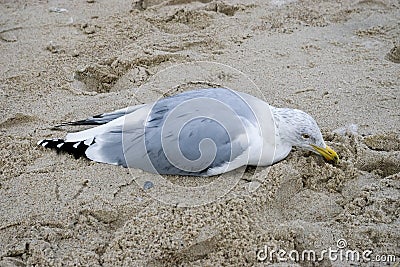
[{"x": 305, "y": 136}]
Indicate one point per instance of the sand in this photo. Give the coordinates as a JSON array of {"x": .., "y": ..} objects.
[{"x": 67, "y": 60}]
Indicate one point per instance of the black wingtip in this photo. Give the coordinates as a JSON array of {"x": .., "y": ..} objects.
[
  {"x": 94, "y": 120},
  {"x": 77, "y": 149}
]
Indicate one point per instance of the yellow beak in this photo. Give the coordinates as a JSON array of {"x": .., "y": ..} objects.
[{"x": 328, "y": 153}]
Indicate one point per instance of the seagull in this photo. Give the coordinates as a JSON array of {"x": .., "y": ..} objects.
[{"x": 203, "y": 132}]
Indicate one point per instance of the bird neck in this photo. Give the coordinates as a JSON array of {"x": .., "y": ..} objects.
[
  {"x": 284, "y": 126},
  {"x": 283, "y": 132}
]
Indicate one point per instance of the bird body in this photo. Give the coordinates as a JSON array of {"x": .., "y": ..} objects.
[{"x": 202, "y": 132}]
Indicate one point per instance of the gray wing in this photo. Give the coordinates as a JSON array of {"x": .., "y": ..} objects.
[
  {"x": 193, "y": 132},
  {"x": 187, "y": 134}
]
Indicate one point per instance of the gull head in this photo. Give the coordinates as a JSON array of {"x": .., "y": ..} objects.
[{"x": 297, "y": 128}]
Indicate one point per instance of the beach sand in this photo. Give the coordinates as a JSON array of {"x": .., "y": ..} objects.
[{"x": 68, "y": 60}]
